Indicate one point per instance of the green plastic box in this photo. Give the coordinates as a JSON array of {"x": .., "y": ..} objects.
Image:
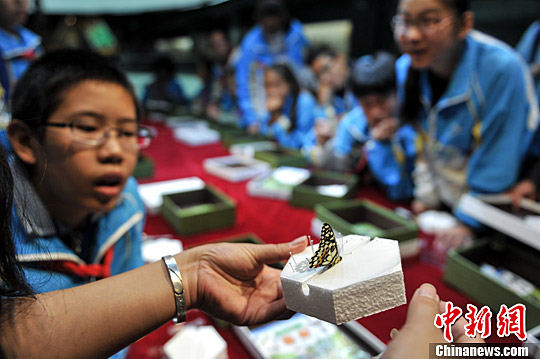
[
  {"x": 238, "y": 136},
  {"x": 323, "y": 186},
  {"x": 463, "y": 271},
  {"x": 198, "y": 211},
  {"x": 145, "y": 167},
  {"x": 282, "y": 157},
  {"x": 366, "y": 218}
]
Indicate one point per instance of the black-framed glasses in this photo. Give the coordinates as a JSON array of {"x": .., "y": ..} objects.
[
  {"x": 95, "y": 133},
  {"x": 426, "y": 25}
]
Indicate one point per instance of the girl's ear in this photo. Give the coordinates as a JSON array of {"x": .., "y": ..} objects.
[
  {"x": 23, "y": 140},
  {"x": 467, "y": 24}
]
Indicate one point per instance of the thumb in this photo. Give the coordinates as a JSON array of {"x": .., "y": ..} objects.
[
  {"x": 413, "y": 339},
  {"x": 272, "y": 253}
]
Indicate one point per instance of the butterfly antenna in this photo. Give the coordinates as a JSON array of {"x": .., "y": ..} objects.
[{"x": 292, "y": 267}]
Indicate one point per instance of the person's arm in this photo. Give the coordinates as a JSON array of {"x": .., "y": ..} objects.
[
  {"x": 229, "y": 281},
  {"x": 392, "y": 161},
  {"x": 507, "y": 123}
]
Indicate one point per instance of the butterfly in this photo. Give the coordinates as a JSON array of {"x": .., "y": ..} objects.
[{"x": 327, "y": 253}]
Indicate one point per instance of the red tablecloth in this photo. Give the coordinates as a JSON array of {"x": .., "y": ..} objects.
[{"x": 274, "y": 222}]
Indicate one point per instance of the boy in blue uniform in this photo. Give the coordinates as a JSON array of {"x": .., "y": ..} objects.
[
  {"x": 370, "y": 134},
  {"x": 275, "y": 39}
]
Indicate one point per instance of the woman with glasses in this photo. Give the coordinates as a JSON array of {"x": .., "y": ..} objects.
[{"x": 471, "y": 100}]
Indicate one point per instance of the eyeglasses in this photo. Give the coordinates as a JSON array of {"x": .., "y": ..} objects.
[
  {"x": 426, "y": 25},
  {"x": 93, "y": 132}
]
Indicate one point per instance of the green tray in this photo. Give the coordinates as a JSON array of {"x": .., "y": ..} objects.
[
  {"x": 463, "y": 272},
  {"x": 312, "y": 190},
  {"x": 366, "y": 218},
  {"x": 282, "y": 157},
  {"x": 198, "y": 211},
  {"x": 145, "y": 167}
]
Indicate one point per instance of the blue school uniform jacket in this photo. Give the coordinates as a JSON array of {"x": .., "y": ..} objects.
[
  {"x": 390, "y": 162},
  {"x": 529, "y": 47},
  {"x": 255, "y": 55},
  {"x": 18, "y": 51},
  {"x": 474, "y": 138},
  {"x": 279, "y": 130},
  {"x": 117, "y": 235}
]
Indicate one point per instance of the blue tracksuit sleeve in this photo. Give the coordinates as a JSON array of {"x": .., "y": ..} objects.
[
  {"x": 392, "y": 163},
  {"x": 508, "y": 122}
]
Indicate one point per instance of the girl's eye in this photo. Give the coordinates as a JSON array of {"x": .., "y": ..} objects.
[
  {"x": 86, "y": 128},
  {"x": 128, "y": 133}
]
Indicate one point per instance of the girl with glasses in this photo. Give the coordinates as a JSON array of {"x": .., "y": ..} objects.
[
  {"x": 471, "y": 100},
  {"x": 74, "y": 139}
]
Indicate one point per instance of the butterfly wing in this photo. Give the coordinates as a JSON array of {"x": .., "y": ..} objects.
[{"x": 327, "y": 253}]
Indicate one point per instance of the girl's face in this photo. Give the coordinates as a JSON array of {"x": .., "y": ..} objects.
[
  {"x": 429, "y": 31},
  {"x": 277, "y": 90},
  {"x": 76, "y": 178}
]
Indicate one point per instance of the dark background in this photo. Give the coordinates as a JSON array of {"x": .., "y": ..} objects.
[{"x": 504, "y": 19}]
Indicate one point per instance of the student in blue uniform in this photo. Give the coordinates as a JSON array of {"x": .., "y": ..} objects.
[
  {"x": 471, "y": 100},
  {"x": 529, "y": 47},
  {"x": 290, "y": 110},
  {"x": 370, "y": 133},
  {"x": 165, "y": 93},
  {"x": 18, "y": 45},
  {"x": 275, "y": 38},
  {"x": 74, "y": 141}
]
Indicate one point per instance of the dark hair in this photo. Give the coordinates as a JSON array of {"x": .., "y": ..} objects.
[
  {"x": 39, "y": 91},
  {"x": 12, "y": 279},
  {"x": 460, "y": 6},
  {"x": 318, "y": 50},
  {"x": 266, "y": 8},
  {"x": 373, "y": 74},
  {"x": 165, "y": 64},
  {"x": 288, "y": 75}
]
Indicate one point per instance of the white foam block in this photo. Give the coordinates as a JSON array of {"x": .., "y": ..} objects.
[
  {"x": 194, "y": 342},
  {"x": 368, "y": 280}
]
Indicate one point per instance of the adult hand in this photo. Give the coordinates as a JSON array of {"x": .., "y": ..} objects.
[
  {"x": 384, "y": 129},
  {"x": 454, "y": 237},
  {"x": 525, "y": 188},
  {"x": 232, "y": 281},
  {"x": 412, "y": 341}
]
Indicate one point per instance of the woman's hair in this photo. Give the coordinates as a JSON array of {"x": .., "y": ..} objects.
[
  {"x": 12, "y": 279},
  {"x": 373, "y": 74},
  {"x": 285, "y": 72},
  {"x": 39, "y": 91},
  {"x": 411, "y": 99}
]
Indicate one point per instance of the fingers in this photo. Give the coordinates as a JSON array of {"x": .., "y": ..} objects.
[
  {"x": 458, "y": 329},
  {"x": 424, "y": 306},
  {"x": 272, "y": 253},
  {"x": 412, "y": 341}
]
